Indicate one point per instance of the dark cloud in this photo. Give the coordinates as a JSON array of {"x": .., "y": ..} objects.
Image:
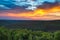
[{"x": 47, "y": 5}]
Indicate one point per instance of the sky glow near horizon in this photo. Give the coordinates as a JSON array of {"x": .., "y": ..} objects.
[{"x": 30, "y": 9}]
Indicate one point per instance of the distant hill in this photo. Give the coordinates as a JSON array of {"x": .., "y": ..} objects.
[{"x": 31, "y": 24}]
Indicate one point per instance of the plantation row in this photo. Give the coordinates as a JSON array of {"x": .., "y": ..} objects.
[{"x": 24, "y": 34}]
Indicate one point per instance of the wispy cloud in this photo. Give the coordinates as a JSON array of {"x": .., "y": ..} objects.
[{"x": 3, "y": 6}]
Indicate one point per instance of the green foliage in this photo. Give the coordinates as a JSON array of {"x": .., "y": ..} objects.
[
  {"x": 57, "y": 35},
  {"x": 24, "y": 34},
  {"x": 30, "y": 37}
]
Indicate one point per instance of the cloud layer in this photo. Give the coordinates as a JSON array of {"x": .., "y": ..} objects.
[
  {"x": 30, "y": 9},
  {"x": 27, "y": 4}
]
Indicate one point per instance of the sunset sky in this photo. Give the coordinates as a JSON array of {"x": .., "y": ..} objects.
[{"x": 30, "y": 9}]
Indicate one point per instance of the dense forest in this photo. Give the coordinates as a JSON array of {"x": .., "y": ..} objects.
[
  {"x": 24, "y": 34},
  {"x": 29, "y": 30},
  {"x": 31, "y": 24}
]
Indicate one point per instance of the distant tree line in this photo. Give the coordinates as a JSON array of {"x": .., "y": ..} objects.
[{"x": 24, "y": 34}]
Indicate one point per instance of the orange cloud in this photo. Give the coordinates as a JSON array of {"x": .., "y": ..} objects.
[{"x": 38, "y": 14}]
